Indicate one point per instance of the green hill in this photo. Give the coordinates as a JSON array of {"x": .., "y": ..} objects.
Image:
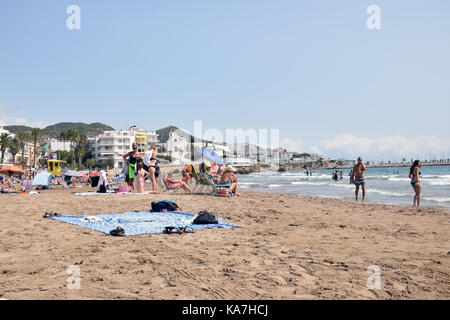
[
  {"x": 164, "y": 134},
  {"x": 92, "y": 129}
]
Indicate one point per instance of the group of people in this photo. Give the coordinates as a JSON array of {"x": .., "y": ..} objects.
[
  {"x": 222, "y": 176},
  {"x": 141, "y": 166},
  {"x": 358, "y": 179}
]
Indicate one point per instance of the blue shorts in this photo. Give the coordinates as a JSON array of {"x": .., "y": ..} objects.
[{"x": 360, "y": 181}]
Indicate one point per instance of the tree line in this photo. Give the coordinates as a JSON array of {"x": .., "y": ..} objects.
[{"x": 79, "y": 154}]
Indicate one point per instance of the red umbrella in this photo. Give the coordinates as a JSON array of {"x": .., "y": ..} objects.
[
  {"x": 94, "y": 174},
  {"x": 11, "y": 170}
]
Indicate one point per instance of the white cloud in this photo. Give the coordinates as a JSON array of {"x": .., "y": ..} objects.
[
  {"x": 292, "y": 145},
  {"x": 384, "y": 148},
  {"x": 11, "y": 120}
]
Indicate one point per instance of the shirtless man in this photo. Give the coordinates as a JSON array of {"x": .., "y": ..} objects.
[{"x": 358, "y": 178}]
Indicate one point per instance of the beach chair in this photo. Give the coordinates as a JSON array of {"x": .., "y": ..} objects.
[
  {"x": 216, "y": 189},
  {"x": 222, "y": 190},
  {"x": 169, "y": 187},
  {"x": 201, "y": 182}
]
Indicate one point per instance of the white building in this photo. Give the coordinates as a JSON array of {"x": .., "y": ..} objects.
[
  {"x": 238, "y": 162},
  {"x": 115, "y": 144},
  {"x": 285, "y": 156},
  {"x": 178, "y": 147},
  {"x": 55, "y": 145}
]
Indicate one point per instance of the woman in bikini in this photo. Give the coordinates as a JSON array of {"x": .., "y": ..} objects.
[
  {"x": 414, "y": 175},
  {"x": 141, "y": 175},
  {"x": 132, "y": 158},
  {"x": 153, "y": 168}
]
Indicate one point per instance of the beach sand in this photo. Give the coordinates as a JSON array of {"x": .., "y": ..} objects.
[{"x": 288, "y": 247}]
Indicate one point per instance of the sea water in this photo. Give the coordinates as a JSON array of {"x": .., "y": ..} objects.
[{"x": 383, "y": 185}]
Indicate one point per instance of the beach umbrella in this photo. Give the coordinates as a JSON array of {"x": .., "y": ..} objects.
[
  {"x": 42, "y": 179},
  {"x": 94, "y": 174},
  {"x": 72, "y": 173},
  {"x": 210, "y": 155},
  {"x": 12, "y": 170}
]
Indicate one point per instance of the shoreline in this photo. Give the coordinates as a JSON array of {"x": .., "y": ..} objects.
[{"x": 287, "y": 247}]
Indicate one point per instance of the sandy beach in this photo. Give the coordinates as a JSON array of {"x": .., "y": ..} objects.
[{"x": 288, "y": 247}]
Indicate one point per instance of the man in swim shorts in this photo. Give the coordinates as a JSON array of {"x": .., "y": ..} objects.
[{"x": 358, "y": 178}]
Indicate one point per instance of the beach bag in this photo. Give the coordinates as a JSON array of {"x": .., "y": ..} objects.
[
  {"x": 102, "y": 189},
  {"x": 205, "y": 217},
  {"x": 168, "y": 205},
  {"x": 124, "y": 189},
  {"x": 117, "y": 232},
  {"x": 94, "y": 181}
]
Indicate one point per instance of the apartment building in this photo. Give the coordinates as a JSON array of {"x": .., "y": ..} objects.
[{"x": 114, "y": 144}]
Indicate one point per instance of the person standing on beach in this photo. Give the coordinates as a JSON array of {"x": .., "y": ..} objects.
[
  {"x": 131, "y": 159},
  {"x": 153, "y": 168},
  {"x": 358, "y": 178},
  {"x": 414, "y": 175}
]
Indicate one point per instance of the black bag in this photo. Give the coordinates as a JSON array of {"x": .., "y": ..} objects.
[
  {"x": 94, "y": 181},
  {"x": 102, "y": 189},
  {"x": 205, "y": 217},
  {"x": 164, "y": 205},
  {"x": 118, "y": 232}
]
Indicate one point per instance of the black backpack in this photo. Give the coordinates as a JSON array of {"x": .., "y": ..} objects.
[
  {"x": 205, "y": 217},
  {"x": 164, "y": 205}
]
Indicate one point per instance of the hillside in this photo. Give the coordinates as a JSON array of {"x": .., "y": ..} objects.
[
  {"x": 164, "y": 133},
  {"x": 55, "y": 130}
]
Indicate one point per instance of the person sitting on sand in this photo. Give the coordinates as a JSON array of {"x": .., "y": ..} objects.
[
  {"x": 171, "y": 183},
  {"x": 414, "y": 175},
  {"x": 358, "y": 178},
  {"x": 228, "y": 177},
  {"x": 102, "y": 182}
]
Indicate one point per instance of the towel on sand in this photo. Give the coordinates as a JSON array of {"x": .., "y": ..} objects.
[{"x": 136, "y": 223}]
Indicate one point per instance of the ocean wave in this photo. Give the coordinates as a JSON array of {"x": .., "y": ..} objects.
[
  {"x": 309, "y": 183},
  {"x": 399, "y": 179},
  {"x": 435, "y": 199},
  {"x": 438, "y": 183},
  {"x": 388, "y": 193}
]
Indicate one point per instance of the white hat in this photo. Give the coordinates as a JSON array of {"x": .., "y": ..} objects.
[{"x": 230, "y": 168}]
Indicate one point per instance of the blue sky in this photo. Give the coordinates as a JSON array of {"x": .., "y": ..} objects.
[{"x": 310, "y": 68}]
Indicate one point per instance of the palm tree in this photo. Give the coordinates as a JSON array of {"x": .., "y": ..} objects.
[
  {"x": 79, "y": 153},
  {"x": 14, "y": 147},
  {"x": 4, "y": 143},
  {"x": 23, "y": 138},
  {"x": 81, "y": 148},
  {"x": 72, "y": 136},
  {"x": 35, "y": 138}
]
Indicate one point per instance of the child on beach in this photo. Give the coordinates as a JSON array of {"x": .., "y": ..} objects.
[{"x": 141, "y": 176}]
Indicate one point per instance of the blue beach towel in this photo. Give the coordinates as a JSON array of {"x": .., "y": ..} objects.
[{"x": 136, "y": 223}]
